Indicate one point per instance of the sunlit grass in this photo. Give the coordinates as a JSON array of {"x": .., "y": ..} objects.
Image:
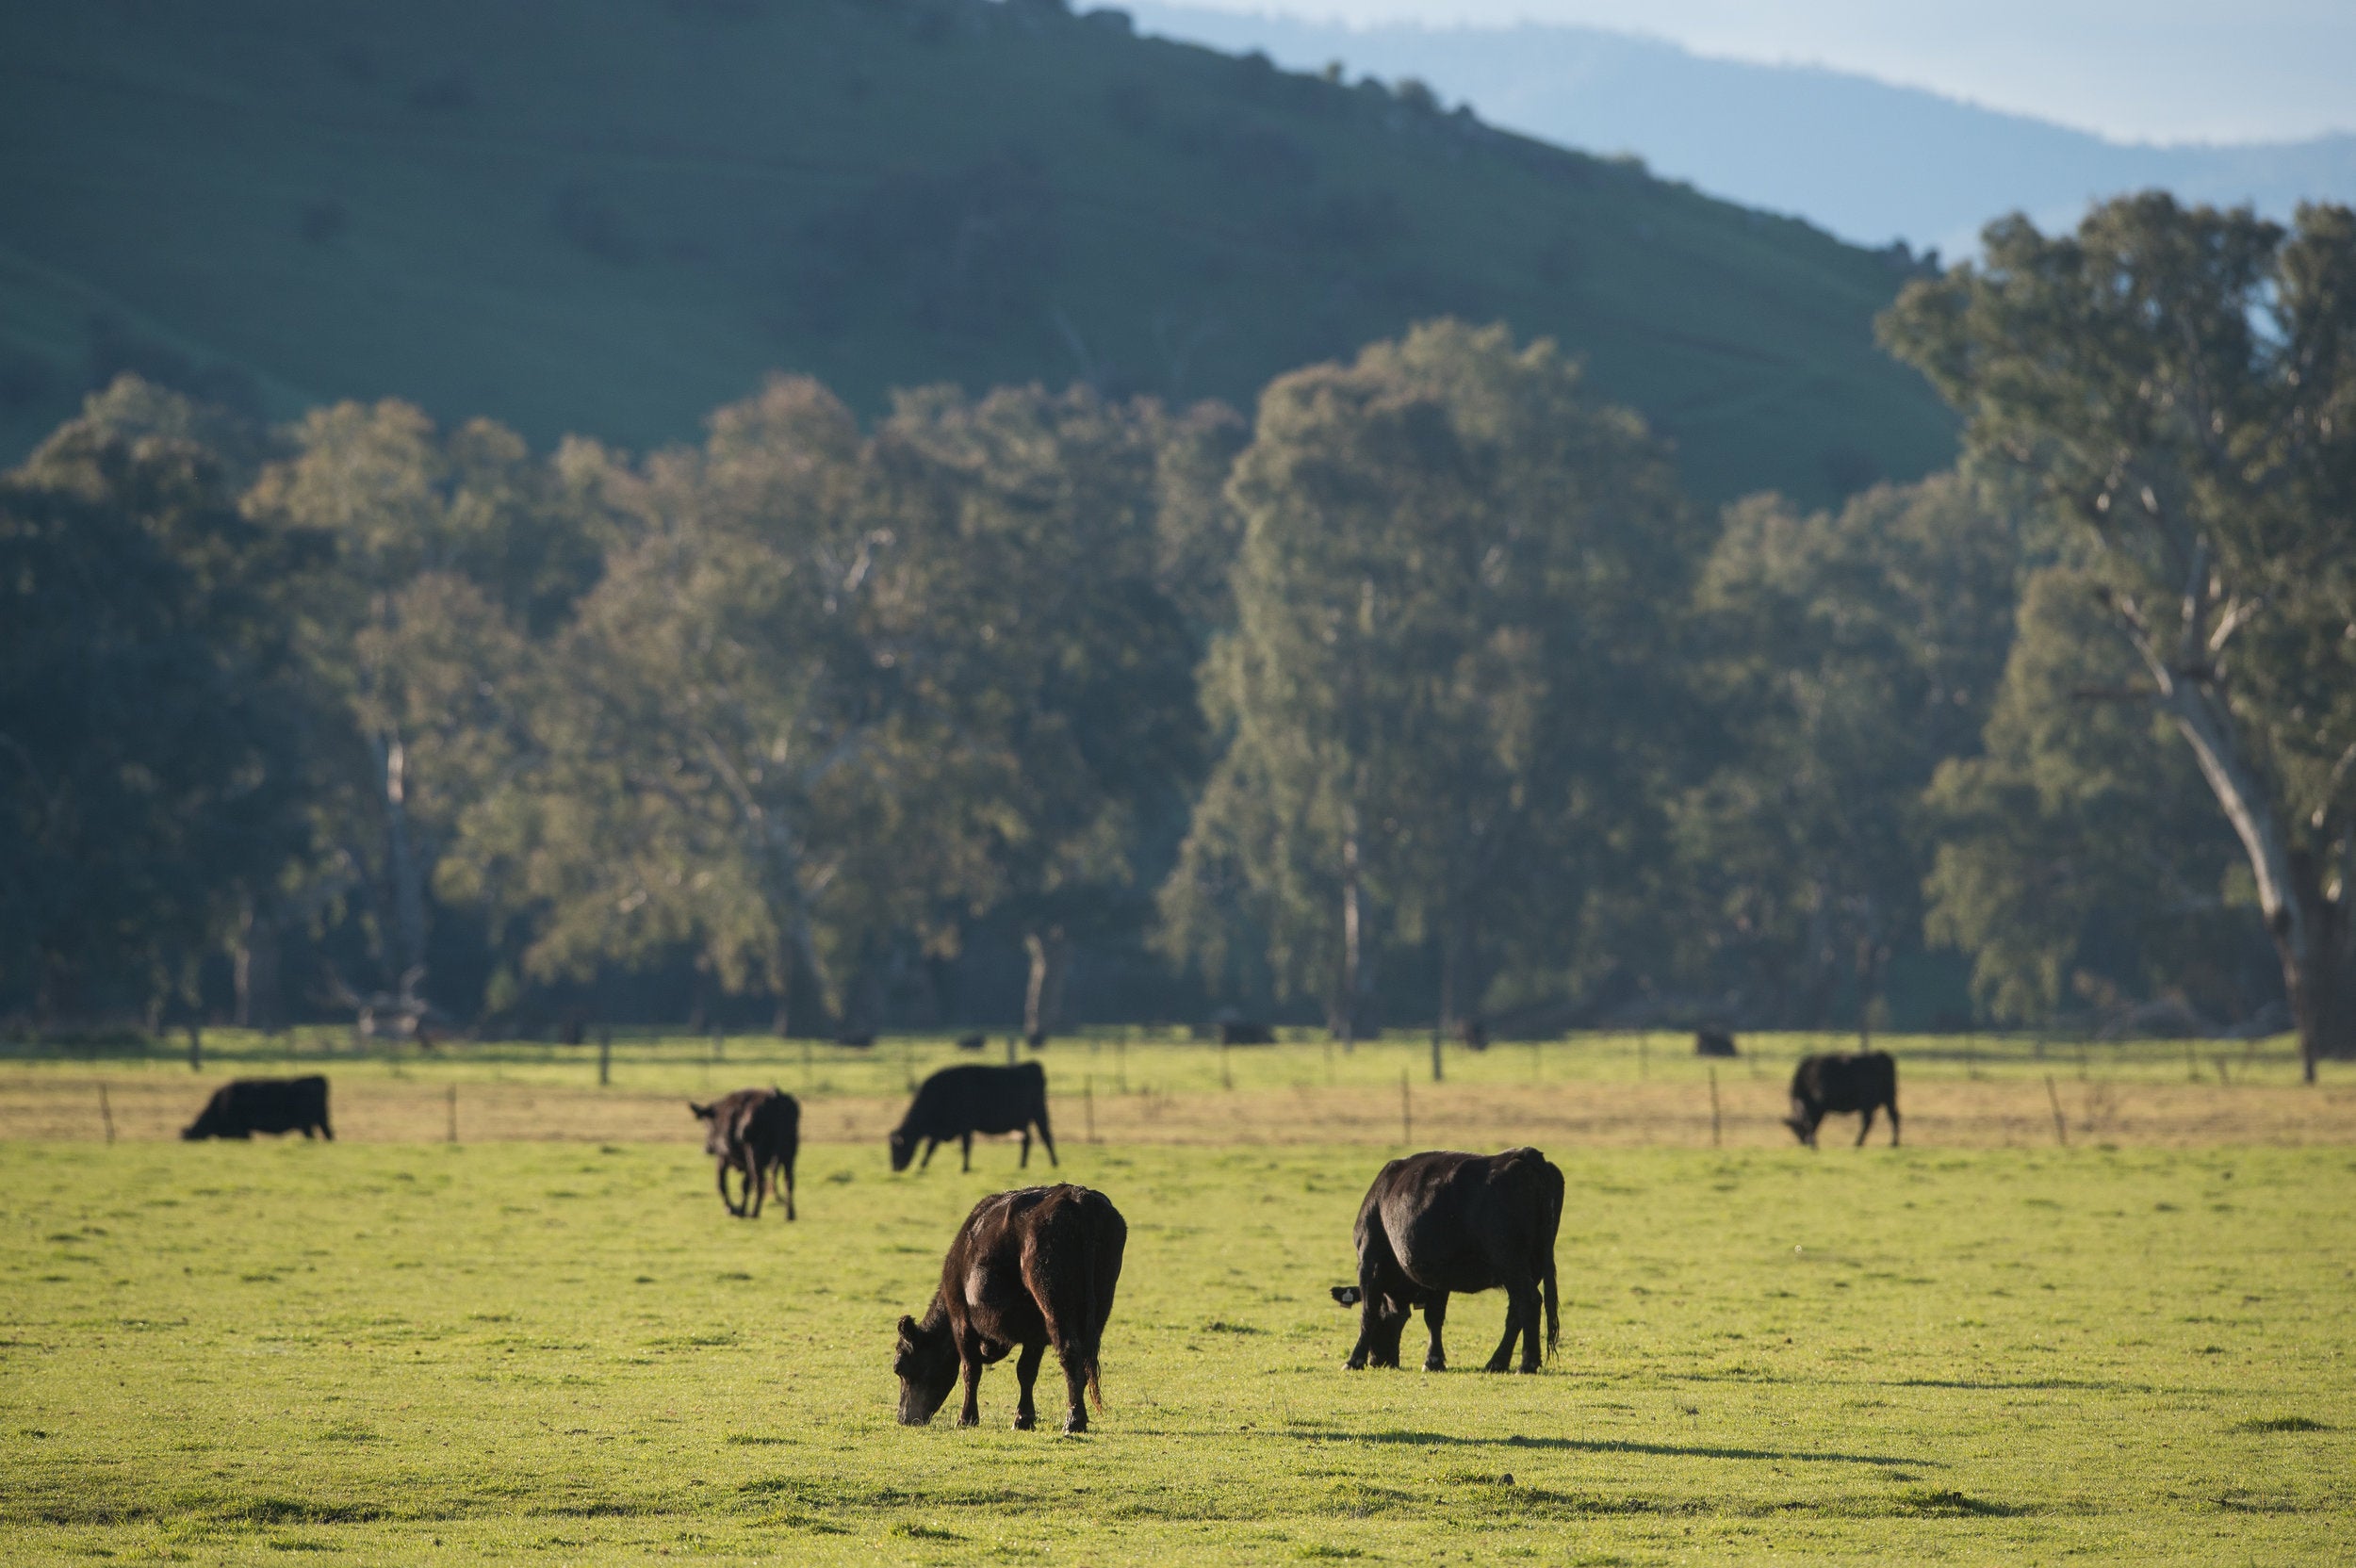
[{"x": 568, "y": 1352}]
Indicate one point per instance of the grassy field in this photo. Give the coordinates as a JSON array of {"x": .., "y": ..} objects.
[
  {"x": 568, "y": 1353},
  {"x": 564, "y": 1350},
  {"x": 1143, "y": 1087}
]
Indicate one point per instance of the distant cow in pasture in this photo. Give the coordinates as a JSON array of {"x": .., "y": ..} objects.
[
  {"x": 1714, "y": 1043},
  {"x": 1244, "y": 1032},
  {"x": 1831, "y": 1085},
  {"x": 244, "y": 1106},
  {"x": 857, "y": 1040},
  {"x": 755, "y": 1132},
  {"x": 1438, "y": 1223},
  {"x": 976, "y": 1041},
  {"x": 1472, "y": 1034},
  {"x": 959, "y": 1102},
  {"x": 1034, "y": 1268}
]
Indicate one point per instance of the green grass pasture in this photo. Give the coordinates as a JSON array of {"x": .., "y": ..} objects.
[{"x": 566, "y": 1352}]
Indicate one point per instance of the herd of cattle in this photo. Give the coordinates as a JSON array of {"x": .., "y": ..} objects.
[{"x": 1036, "y": 1269}]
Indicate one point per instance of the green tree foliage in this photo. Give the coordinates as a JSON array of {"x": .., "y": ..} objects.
[
  {"x": 447, "y": 553},
  {"x": 2080, "y": 860},
  {"x": 1441, "y": 693},
  {"x": 2180, "y": 386},
  {"x": 1848, "y": 654},
  {"x": 847, "y": 691},
  {"x": 152, "y": 717}
]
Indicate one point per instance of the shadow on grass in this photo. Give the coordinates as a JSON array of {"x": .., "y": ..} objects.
[{"x": 1608, "y": 1445}]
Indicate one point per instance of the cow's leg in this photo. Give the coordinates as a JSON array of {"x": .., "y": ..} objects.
[
  {"x": 787, "y": 1166},
  {"x": 1379, "y": 1330},
  {"x": 1893, "y": 1124},
  {"x": 1026, "y": 1161},
  {"x": 1075, "y": 1383},
  {"x": 1435, "y": 1314},
  {"x": 1047, "y": 1137},
  {"x": 721, "y": 1166},
  {"x": 966, "y": 1145},
  {"x": 1865, "y": 1125},
  {"x": 930, "y": 1144},
  {"x": 756, "y": 1184},
  {"x": 1025, "y": 1375},
  {"x": 1516, "y": 1292},
  {"x": 970, "y": 1360},
  {"x": 307, "y": 1133},
  {"x": 329, "y": 1133},
  {"x": 1525, "y": 1305}
]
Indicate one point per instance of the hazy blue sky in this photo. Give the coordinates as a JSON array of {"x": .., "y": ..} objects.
[{"x": 2133, "y": 70}]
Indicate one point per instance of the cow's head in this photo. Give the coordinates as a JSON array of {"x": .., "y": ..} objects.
[
  {"x": 902, "y": 1147},
  {"x": 925, "y": 1362},
  {"x": 196, "y": 1129},
  {"x": 1802, "y": 1120}
]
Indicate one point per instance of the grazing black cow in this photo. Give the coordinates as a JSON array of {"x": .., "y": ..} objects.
[
  {"x": 244, "y": 1106},
  {"x": 1713, "y": 1043},
  {"x": 1824, "y": 1086},
  {"x": 1034, "y": 1268},
  {"x": 1243, "y": 1032},
  {"x": 755, "y": 1132},
  {"x": 972, "y": 1042},
  {"x": 1472, "y": 1034},
  {"x": 1442, "y": 1222},
  {"x": 959, "y": 1102},
  {"x": 856, "y": 1040}
]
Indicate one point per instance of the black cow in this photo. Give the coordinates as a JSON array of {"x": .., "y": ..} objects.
[
  {"x": 959, "y": 1102},
  {"x": 1034, "y": 1268},
  {"x": 1824, "y": 1086},
  {"x": 1244, "y": 1032},
  {"x": 755, "y": 1132},
  {"x": 244, "y": 1106},
  {"x": 972, "y": 1042},
  {"x": 1714, "y": 1043},
  {"x": 1436, "y": 1224}
]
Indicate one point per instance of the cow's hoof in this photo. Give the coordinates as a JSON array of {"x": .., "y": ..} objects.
[
  {"x": 1075, "y": 1423},
  {"x": 1355, "y": 1363},
  {"x": 1497, "y": 1366},
  {"x": 1024, "y": 1423},
  {"x": 1436, "y": 1363},
  {"x": 968, "y": 1420}
]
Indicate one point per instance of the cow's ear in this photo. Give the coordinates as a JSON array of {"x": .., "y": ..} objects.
[
  {"x": 703, "y": 1113},
  {"x": 1346, "y": 1295},
  {"x": 907, "y": 1326}
]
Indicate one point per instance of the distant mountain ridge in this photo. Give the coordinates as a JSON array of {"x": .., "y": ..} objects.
[{"x": 1862, "y": 158}]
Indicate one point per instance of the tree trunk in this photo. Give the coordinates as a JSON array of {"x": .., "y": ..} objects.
[
  {"x": 401, "y": 858},
  {"x": 1043, "y": 997},
  {"x": 2317, "y": 971},
  {"x": 1352, "y": 925},
  {"x": 254, "y": 966},
  {"x": 2308, "y": 924}
]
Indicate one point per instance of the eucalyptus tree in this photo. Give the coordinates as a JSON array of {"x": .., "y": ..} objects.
[
  {"x": 448, "y": 551},
  {"x": 1848, "y": 653},
  {"x": 1445, "y": 697},
  {"x": 2180, "y": 386}
]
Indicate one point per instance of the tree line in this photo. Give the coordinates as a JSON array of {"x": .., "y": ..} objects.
[{"x": 1425, "y": 698}]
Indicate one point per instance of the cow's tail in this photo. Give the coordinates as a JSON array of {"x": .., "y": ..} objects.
[
  {"x": 1092, "y": 1316},
  {"x": 1552, "y": 1224}
]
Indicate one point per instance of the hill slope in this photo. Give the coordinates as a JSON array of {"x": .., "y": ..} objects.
[
  {"x": 609, "y": 217},
  {"x": 1867, "y": 161}
]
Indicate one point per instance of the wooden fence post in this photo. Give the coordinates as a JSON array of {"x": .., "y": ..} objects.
[
  {"x": 1713, "y": 1107},
  {"x": 2061, "y": 1125},
  {"x": 105, "y": 1113},
  {"x": 1087, "y": 1102},
  {"x": 454, "y": 1113},
  {"x": 1406, "y": 1111}
]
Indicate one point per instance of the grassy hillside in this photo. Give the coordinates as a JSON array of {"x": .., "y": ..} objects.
[{"x": 610, "y": 216}]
